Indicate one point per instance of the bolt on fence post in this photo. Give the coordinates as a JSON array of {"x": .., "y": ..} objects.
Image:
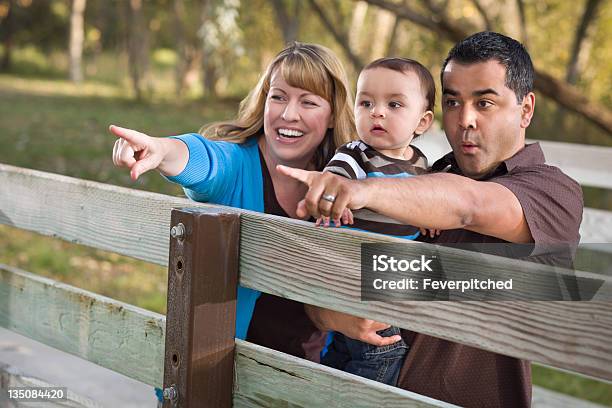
[
  {"x": 201, "y": 319},
  {"x": 170, "y": 393},
  {"x": 178, "y": 231}
]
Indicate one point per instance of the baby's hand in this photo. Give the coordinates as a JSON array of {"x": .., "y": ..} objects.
[
  {"x": 347, "y": 216},
  {"x": 430, "y": 231},
  {"x": 346, "y": 219}
]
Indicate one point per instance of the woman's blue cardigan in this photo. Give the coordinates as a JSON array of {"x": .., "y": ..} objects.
[{"x": 228, "y": 174}]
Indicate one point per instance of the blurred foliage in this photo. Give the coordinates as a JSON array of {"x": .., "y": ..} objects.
[
  {"x": 44, "y": 24},
  {"x": 39, "y": 23},
  {"x": 57, "y": 126},
  {"x": 61, "y": 127}
]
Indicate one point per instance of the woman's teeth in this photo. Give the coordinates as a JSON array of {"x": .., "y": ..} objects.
[{"x": 290, "y": 133}]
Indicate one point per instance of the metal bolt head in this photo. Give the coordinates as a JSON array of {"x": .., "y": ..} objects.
[
  {"x": 170, "y": 393},
  {"x": 178, "y": 231}
]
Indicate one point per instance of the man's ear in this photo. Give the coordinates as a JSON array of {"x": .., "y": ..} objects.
[
  {"x": 424, "y": 123},
  {"x": 527, "y": 109}
]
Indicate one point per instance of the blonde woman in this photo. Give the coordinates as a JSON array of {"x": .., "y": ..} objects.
[{"x": 297, "y": 115}]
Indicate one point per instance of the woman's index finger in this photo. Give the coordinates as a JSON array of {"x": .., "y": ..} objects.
[{"x": 129, "y": 135}]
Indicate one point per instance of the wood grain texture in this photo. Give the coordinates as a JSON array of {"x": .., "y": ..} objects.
[
  {"x": 267, "y": 378},
  {"x": 569, "y": 335},
  {"x": 112, "y": 334},
  {"x": 320, "y": 266},
  {"x": 129, "y": 222},
  {"x": 132, "y": 222},
  {"x": 201, "y": 319},
  {"x": 264, "y": 377}
]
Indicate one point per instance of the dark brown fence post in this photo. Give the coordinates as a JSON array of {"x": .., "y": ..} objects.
[{"x": 201, "y": 318}]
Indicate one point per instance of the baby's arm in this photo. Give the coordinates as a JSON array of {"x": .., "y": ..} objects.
[{"x": 338, "y": 165}]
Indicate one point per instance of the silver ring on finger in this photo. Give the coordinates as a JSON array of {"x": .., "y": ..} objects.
[{"x": 328, "y": 197}]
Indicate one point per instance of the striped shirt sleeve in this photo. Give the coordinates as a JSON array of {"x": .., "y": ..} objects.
[{"x": 347, "y": 162}]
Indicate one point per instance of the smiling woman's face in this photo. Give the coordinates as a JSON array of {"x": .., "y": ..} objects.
[{"x": 295, "y": 122}]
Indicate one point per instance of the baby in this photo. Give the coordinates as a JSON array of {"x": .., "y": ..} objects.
[{"x": 394, "y": 104}]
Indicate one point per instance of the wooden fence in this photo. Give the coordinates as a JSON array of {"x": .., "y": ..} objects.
[{"x": 275, "y": 256}]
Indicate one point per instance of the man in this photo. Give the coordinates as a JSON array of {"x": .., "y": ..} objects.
[{"x": 490, "y": 188}]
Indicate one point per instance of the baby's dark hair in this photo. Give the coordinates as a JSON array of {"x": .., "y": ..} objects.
[{"x": 408, "y": 65}]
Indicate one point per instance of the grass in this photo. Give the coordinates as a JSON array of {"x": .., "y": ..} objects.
[
  {"x": 578, "y": 386},
  {"x": 56, "y": 126},
  {"x": 126, "y": 279},
  {"x": 59, "y": 127},
  {"x": 52, "y": 125}
]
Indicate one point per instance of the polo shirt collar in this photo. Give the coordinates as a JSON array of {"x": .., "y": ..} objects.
[{"x": 530, "y": 155}]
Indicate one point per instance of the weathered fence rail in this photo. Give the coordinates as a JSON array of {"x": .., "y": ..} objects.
[
  {"x": 275, "y": 257},
  {"x": 130, "y": 341},
  {"x": 263, "y": 377}
]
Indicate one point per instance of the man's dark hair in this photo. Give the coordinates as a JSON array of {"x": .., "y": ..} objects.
[
  {"x": 428, "y": 86},
  {"x": 488, "y": 45}
]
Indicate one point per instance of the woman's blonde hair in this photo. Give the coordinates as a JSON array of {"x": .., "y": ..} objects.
[{"x": 308, "y": 66}]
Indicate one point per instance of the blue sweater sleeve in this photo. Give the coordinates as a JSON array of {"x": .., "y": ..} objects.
[{"x": 212, "y": 170}]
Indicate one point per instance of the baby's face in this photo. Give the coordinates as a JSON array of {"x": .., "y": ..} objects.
[{"x": 388, "y": 109}]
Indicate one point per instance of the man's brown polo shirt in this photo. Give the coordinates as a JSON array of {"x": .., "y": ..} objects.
[{"x": 463, "y": 375}]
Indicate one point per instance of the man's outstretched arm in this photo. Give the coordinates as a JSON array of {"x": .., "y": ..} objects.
[
  {"x": 439, "y": 201},
  {"x": 449, "y": 201}
]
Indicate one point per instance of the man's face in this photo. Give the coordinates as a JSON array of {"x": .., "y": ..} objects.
[{"x": 483, "y": 122}]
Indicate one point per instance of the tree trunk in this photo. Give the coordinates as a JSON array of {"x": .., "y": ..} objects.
[
  {"x": 209, "y": 69},
  {"x": 580, "y": 51},
  {"x": 482, "y": 10},
  {"x": 511, "y": 19},
  {"x": 137, "y": 46},
  {"x": 359, "y": 15},
  {"x": 341, "y": 37},
  {"x": 392, "y": 48},
  {"x": 210, "y": 78},
  {"x": 7, "y": 40},
  {"x": 579, "y": 48},
  {"x": 181, "y": 47},
  {"x": 289, "y": 23},
  {"x": 77, "y": 34},
  {"x": 385, "y": 21},
  {"x": 572, "y": 99},
  {"x": 522, "y": 21}
]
